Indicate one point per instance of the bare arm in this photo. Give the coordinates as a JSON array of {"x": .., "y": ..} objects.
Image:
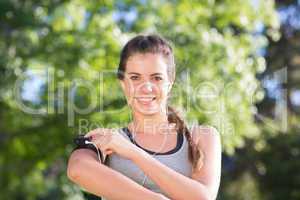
[
  {"x": 209, "y": 141},
  {"x": 98, "y": 179}
]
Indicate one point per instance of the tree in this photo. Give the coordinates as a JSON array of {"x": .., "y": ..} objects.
[{"x": 70, "y": 47}]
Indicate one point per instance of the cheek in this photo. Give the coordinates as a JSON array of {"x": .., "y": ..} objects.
[
  {"x": 129, "y": 89},
  {"x": 161, "y": 93},
  {"x": 165, "y": 89}
]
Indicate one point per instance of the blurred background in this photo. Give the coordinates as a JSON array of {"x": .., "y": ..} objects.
[{"x": 238, "y": 69}]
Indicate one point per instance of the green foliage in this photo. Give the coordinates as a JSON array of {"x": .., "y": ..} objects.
[
  {"x": 78, "y": 41},
  {"x": 278, "y": 167}
]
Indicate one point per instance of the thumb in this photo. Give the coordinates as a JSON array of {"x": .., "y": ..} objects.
[{"x": 106, "y": 149}]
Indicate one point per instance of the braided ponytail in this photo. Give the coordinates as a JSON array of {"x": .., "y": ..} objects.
[{"x": 196, "y": 156}]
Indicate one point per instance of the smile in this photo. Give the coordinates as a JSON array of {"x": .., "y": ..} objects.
[{"x": 145, "y": 100}]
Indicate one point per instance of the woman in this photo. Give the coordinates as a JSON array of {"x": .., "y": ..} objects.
[{"x": 156, "y": 156}]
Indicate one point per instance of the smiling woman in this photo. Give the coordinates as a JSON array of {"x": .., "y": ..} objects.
[
  {"x": 146, "y": 82},
  {"x": 156, "y": 155}
]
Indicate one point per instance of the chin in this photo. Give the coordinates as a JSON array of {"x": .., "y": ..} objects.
[{"x": 148, "y": 111}]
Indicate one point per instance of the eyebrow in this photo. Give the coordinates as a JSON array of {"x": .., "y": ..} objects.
[{"x": 150, "y": 75}]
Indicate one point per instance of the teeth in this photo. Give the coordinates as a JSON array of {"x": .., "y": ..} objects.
[{"x": 145, "y": 99}]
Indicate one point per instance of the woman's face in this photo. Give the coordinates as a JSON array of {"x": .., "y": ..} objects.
[{"x": 146, "y": 84}]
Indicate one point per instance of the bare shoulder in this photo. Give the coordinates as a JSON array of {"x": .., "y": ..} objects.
[{"x": 205, "y": 134}]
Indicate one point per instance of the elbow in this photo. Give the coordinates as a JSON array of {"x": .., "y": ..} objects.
[
  {"x": 75, "y": 166},
  {"x": 73, "y": 170},
  {"x": 208, "y": 196},
  {"x": 204, "y": 195}
]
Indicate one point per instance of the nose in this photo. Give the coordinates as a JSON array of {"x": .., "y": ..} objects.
[{"x": 147, "y": 87}]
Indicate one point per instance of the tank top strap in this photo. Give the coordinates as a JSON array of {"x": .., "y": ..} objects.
[{"x": 125, "y": 133}]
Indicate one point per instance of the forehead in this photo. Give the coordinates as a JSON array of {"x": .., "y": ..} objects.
[{"x": 146, "y": 64}]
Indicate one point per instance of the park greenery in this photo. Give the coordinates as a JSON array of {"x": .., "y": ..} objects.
[{"x": 58, "y": 79}]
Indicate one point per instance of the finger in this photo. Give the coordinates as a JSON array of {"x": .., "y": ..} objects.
[
  {"x": 89, "y": 134},
  {"x": 105, "y": 147},
  {"x": 95, "y": 131},
  {"x": 92, "y": 137},
  {"x": 108, "y": 151},
  {"x": 99, "y": 142}
]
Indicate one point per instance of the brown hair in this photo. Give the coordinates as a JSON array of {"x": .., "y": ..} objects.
[{"x": 157, "y": 45}]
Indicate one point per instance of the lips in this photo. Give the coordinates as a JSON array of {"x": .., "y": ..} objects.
[{"x": 145, "y": 100}]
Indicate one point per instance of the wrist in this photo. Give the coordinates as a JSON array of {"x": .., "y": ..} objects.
[{"x": 136, "y": 154}]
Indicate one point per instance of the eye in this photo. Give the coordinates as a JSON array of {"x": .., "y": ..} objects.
[
  {"x": 134, "y": 77},
  {"x": 158, "y": 78}
]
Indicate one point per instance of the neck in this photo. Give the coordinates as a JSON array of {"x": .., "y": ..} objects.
[{"x": 150, "y": 124}]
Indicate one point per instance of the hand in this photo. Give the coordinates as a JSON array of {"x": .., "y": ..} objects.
[{"x": 111, "y": 141}]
